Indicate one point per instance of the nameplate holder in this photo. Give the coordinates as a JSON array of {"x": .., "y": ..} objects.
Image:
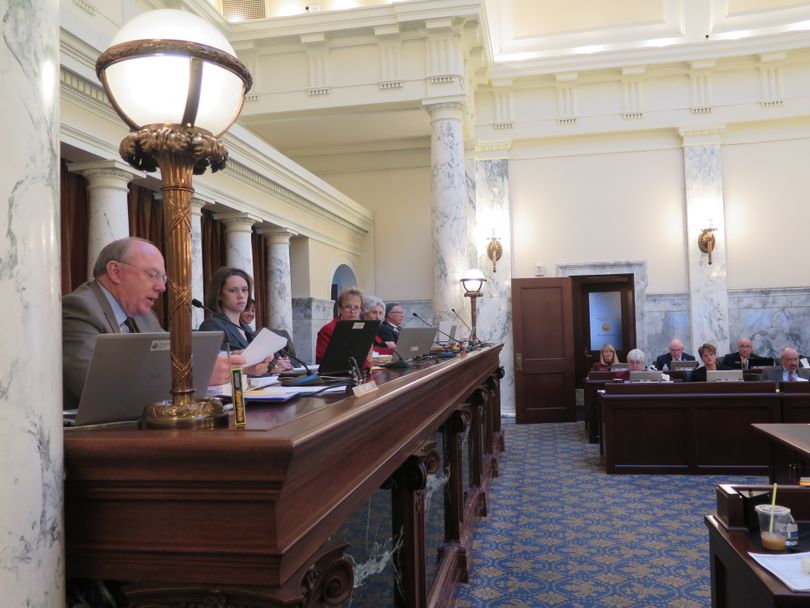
[
  {"x": 238, "y": 395},
  {"x": 365, "y": 388}
]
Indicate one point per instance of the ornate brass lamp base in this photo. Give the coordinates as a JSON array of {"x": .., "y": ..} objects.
[{"x": 198, "y": 414}]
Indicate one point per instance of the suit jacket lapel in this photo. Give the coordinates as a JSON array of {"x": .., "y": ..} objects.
[{"x": 109, "y": 315}]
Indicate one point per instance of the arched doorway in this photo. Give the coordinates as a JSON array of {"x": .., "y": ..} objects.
[{"x": 342, "y": 279}]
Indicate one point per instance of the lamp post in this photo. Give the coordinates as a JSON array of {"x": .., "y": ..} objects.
[
  {"x": 473, "y": 283},
  {"x": 175, "y": 80}
]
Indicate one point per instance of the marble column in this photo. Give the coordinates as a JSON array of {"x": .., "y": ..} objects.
[
  {"x": 495, "y": 306},
  {"x": 449, "y": 210},
  {"x": 32, "y": 567},
  {"x": 708, "y": 290},
  {"x": 197, "y": 314},
  {"x": 107, "y": 190},
  {"x": 239, "y": 248},
  {"x": 279, "y": 280}
]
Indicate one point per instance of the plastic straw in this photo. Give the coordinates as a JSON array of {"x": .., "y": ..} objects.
[{"x": 773, "y": 505}]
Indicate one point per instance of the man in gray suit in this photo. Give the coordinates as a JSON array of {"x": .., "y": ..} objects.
[
  {"x": 128, "y": 277},
  {"x": 786, "y": 372}
]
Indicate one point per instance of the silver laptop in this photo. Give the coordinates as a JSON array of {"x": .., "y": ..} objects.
[
  {"x": 129, "y": 371},
  {"x": 724, "y": 375},
  {"x": 415, "y": 341},
  {"x": 683, "y": 365},
  {"x": 645, "y": 376}
]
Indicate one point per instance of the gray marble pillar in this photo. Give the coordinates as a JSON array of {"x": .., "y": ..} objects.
[
  {"x": 32, "y": 567},
  {"x": 197, "y": 291},
  {"x": 107, "y": 190},
  {"x": 495, "y": 306},
  {"x": 449, "y": 211},
  {"x": 309, "y": 315},
  {"x": 708, "y": 290},
  {"x": 279, "y": 288},
  {"x": 238, "y": 231}
]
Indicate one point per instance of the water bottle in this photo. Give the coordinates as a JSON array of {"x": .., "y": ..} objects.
[{"x": 791, "y": 533}]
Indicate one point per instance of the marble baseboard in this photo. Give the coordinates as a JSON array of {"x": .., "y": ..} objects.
[{"x": 772, "y": 318}]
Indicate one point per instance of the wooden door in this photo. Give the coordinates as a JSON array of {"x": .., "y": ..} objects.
[{"x": 544, "y": 350}]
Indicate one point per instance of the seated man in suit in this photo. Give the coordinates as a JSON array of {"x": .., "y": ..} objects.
[
  {"x": 786, "y": 372},
  {"x": 675, "y": 354},
  {"x": 744, "y": 358},
  {"x": 128, "y": 277},
  {"x": 389, "y": 328}
]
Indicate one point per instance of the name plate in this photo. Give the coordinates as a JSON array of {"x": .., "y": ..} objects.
[{"x": 365, "y": 388}]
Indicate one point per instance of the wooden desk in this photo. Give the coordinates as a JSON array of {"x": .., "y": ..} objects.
[
  {"x": 737, "y": 580},
  {"x": 593, "y": 414},
  {"x": 795, "y": 401},
  {"x": 690, "y": 427},
  {"x": 242, "y": 516},
  {"x": 789, "y": 448}
]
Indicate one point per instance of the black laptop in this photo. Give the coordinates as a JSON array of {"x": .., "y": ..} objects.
[{"x": 350, "y": 340}]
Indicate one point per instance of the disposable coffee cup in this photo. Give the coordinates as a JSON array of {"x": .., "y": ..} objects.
[{"x": 773, "y": 520}]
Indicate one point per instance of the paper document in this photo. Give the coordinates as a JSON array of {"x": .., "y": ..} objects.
[
  {"x": 787, "y": 567},
  {"x": 264, "y": 344}
]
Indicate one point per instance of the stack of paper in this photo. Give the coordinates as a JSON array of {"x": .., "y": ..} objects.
[{"x": 787, "y": 567}]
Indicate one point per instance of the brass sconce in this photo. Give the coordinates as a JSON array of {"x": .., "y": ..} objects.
[
  {"x": 494, "y": 250},
  {"x": 175, "y": 80},
  {"x": 473, "y": 283},
  {"x": 706, "y": 241}
]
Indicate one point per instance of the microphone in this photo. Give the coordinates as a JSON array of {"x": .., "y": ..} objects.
[
  {"x": 447, "y": 352},
  {"x": 458, "y": 316},
  {"x": 310, "y": 378}
]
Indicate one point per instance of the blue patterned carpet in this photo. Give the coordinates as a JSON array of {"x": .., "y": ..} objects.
[{"x": 563, "y": 533}]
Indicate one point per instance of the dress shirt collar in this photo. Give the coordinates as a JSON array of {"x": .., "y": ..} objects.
[{"x": 120, "y": 315}]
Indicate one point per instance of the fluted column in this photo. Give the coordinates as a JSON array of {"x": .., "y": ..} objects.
[
  {"x": 708, "y": 287},
  {"x": 238, "y": 231},
  {"x": 449, "y": 212},
  {"x": 32, "y": 567},
  {"x": 279, "y": 280},
  {"x": 107, "y": 189},
  {"x": 197, "y": 291}
]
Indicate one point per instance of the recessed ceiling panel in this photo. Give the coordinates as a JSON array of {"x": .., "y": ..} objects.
[{"x": 543, "y": 17}]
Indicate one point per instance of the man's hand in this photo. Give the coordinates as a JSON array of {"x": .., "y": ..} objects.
[{"x": 222, "y": 368}]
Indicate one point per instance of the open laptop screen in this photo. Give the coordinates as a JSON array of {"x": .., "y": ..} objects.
[
  {"x": 351, "y": 339},
  {"x": 415, "y": 341},
  {"x": 129, "y": 371}
]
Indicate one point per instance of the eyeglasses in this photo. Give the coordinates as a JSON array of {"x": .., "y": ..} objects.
[
  {"x": 154, "y": 275},
  {"x": 350, "y": 307}
]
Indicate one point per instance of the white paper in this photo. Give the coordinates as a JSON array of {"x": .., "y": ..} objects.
[
  {"x": 787, "y": 567},
  {"x": 264, "y": 344}
]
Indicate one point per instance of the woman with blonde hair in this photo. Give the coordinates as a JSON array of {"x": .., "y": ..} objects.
[{"x": 607, "y": 357}]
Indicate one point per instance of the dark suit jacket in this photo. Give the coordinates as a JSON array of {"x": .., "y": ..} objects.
[
  {"x": 388, "y": 332},
  {"x": 734, "y": 362},
  {"x": 667, "y": 360},
  {"x": 86, "y": 313},
  {"x": 774, "y": 374},
  {"x": 699, "y": 374},
  {"x": 232, "y": 338}
]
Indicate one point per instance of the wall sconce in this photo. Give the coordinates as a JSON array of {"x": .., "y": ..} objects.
[
  {"x": 706, "y": 241},
  {"x": 494, "y": 250},
  {"x": 175, "y": 80},
  {"x": 473, "y": 283}
]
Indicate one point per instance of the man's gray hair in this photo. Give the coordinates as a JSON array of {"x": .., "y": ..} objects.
[
  {"x": 115, "y": 251},
  {"x": 370, "y": 302},
  {"x": 636, "y": 355}
]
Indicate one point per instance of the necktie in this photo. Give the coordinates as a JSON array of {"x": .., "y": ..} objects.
[
  {"x": 745, "y": 363},
  {"x": 129, "y": 322},
  {"x": 791, "y": 377}
]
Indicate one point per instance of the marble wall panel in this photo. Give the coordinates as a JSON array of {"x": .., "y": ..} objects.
[
  {"x": 309, "y": 315},
  {"x": 667, "y": 317},
  {"x": 772, "y": 318}
]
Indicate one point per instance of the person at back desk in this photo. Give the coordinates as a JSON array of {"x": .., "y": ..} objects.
[
  {"x": 635, "y": 363},
  {"x": 786, "y": 372},
  {"x": 708, "y": 355},
  {"x": 228, "y": 294},
  {"x": 607, "y": 357},
  {"x": 128, "y": 277},
  {"x": 744, "y": 358},
  {"x": 675, "y": 354},
  {"x": 389, "y": 328}
]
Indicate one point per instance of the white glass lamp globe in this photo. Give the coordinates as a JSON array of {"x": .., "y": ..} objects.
[
  {"x": 473, "y": 280},
  {"x": 172, "y": 67}
]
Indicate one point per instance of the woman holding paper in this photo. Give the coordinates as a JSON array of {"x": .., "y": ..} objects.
[{"x": 228, "y": 294}]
